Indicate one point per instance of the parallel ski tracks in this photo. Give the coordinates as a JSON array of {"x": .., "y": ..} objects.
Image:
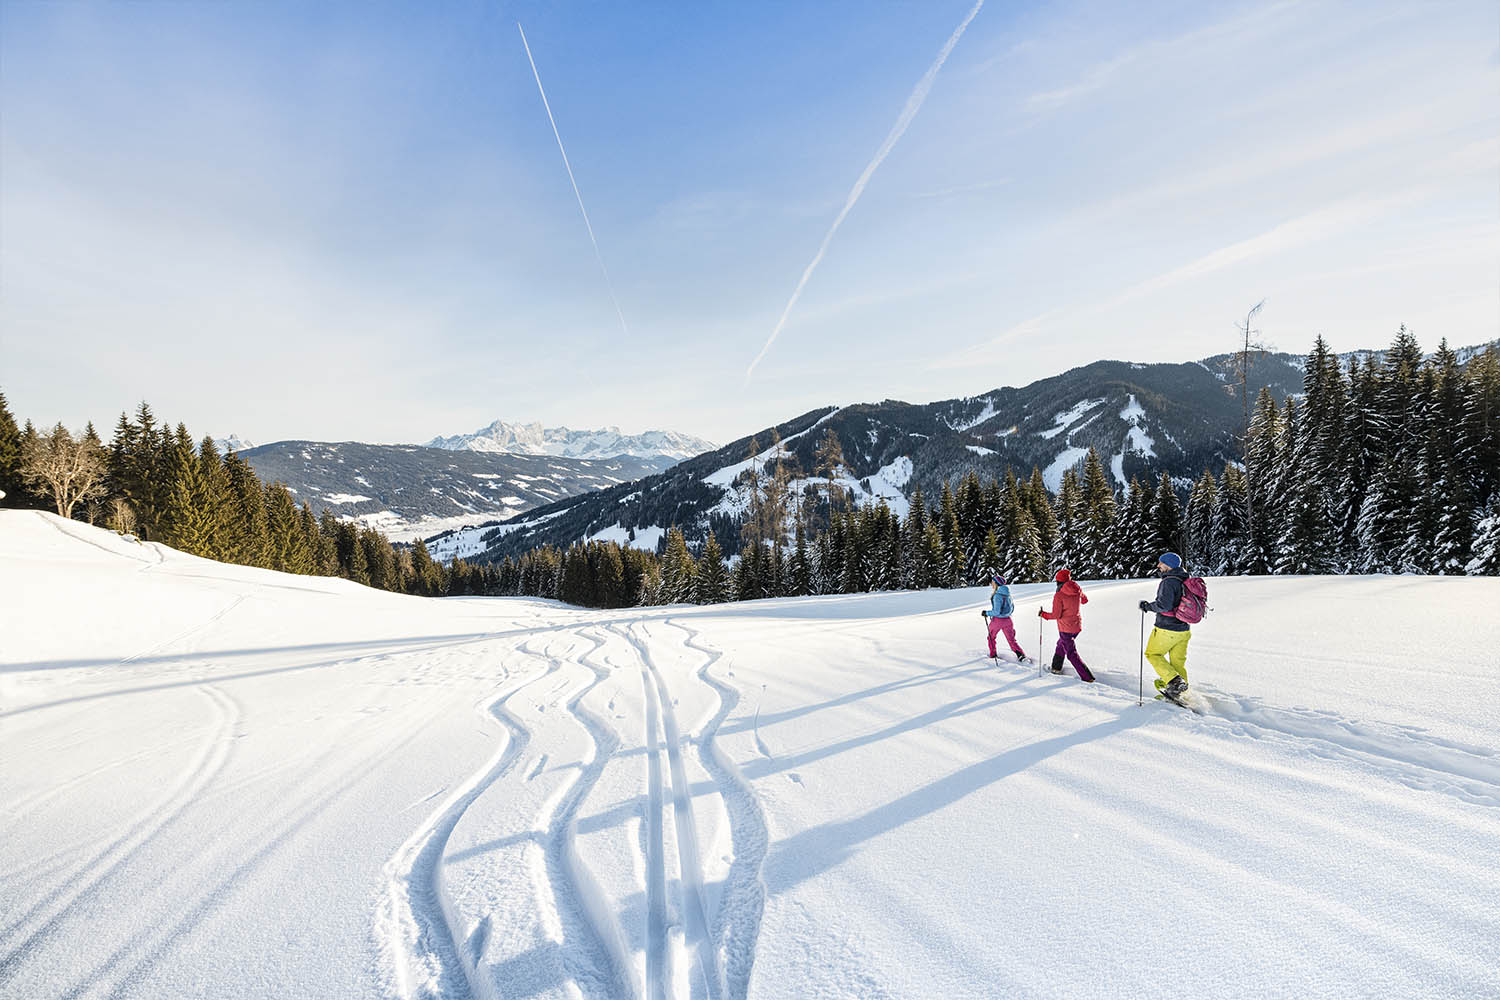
[
  {"x": 46, "y": 916},
  {"x": 424, "y": 940},
  {"x": 659, "y": 712},
  {"x": 575, "y": 895}
]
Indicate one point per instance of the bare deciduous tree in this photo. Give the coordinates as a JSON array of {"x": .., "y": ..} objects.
[
  {"x": 1251, "y": 351},
  {"x": 71, "y": 469}
]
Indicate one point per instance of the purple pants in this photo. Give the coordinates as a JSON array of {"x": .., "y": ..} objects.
[
  {"x": 1004, "y": 625},
  {"x": 1065, "y": 647}
]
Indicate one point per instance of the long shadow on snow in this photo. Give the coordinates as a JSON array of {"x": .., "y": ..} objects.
[
  {"x": 807, "y": 854},
  {"x": 407, "y": 647}
]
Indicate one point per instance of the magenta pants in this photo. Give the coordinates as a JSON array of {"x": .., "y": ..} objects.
[
  {"x": 1004, "y": 625},
  {"x": 1066, "y": 648}
]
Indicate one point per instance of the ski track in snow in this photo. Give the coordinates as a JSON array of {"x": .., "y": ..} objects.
[
  {"x": 48, "y": 914},
  {"x": 420, "y": 933},
  {"x": 737, "y": 924},
  {"x": 598, "y": 958}
]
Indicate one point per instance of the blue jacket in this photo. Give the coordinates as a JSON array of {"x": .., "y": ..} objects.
[
  {"x": 1168, "y": 596},
  {"x": 998, "y": 599}
]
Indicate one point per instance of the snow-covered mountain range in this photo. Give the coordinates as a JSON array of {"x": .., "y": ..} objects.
[
  {"x": 607, "y": 442},
  {"x": 410, "y": 492},
  {"x": 1143, "y": 419}
]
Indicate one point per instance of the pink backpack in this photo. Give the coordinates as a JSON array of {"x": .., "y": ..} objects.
[{"x": 1194, "y": 603}]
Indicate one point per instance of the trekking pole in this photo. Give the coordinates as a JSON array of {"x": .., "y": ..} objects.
[
  {"x": 1140, "y": 680},
  {"x": 1039, "y": 623}
]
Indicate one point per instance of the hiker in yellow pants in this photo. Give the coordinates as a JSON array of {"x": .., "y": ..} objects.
[
  {"x": 1167, "y": 654},
  {"x": 1167, "y": 650}
]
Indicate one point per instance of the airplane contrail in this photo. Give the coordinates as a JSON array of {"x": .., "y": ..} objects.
[
  {"x": 574, "y": 181},
  {"x": 913, "y": 105}
]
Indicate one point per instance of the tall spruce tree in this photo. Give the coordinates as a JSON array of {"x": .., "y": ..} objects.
[
  {"x": 713, "y": 577},
  {"x": 1100, "y": 512},
  {"x": 1069, "y": 541},
  {"x": 1166, "y": 512},
  {"x": 1199, "y": 541}
]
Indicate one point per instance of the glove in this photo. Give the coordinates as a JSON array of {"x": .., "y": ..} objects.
[
  {"x": 1041, "y": 612},
  {"x": 984, "y": 614},
  {"x": 1145, "y": 605}
]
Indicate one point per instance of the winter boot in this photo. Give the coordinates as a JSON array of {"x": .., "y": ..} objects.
[
  {"x": 1084, "y": 674},
  {"x": 1057, "y": 662},
  {"x": 1175, "y": 687}
]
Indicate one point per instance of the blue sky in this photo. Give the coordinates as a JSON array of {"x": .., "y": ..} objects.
[{"x": 351, "y": 221}]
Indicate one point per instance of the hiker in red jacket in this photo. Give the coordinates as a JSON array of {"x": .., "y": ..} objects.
[{"x": 1067, "y": 605}]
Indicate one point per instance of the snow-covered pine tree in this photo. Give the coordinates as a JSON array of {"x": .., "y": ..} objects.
[
  {"x": 915, "y": 573},
  {"x": 953, "y": 564},
  {"x": 678, "y": 570},
  {"x": 1021, "y": 559},
  {"x": 1069, "y": 540},
  {"x": 1198, "y": 524},
  {"x": 1039, "y": 505},
  {"x": 1486, "y": 558},
  {"x": 969, "y": 502},
  {"x": 932, "y": 541},
  {"x": 713, "y": 578},
  {"x": 1261, "y": 482},
  {"x": 1390, "y": 520},
  {"x": 1231, "y": 524},
  {"x": 801, "y": 568},
  {"x": 1359, "y": 448},
  {"x": 1099, "y": 527},
  {"x": 1448, "y": 511},
  {"x": 1166, "y": 514},
  {"x": 990, "y": 556},
  {"x": 1479, "y": 454}
]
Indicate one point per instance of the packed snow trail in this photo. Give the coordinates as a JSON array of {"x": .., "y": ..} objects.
[{"x": 228, "y": 782}]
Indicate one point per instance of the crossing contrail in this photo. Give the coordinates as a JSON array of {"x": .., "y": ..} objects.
[
  {"x": 574, "y": 181},
  {"x": 913, "y": 105}
]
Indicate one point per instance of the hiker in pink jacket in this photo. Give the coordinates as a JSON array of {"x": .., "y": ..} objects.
[{"x": 1067, "y": 611}]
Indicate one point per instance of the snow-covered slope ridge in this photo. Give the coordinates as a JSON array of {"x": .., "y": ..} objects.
[{"x": 229, "y": 782}]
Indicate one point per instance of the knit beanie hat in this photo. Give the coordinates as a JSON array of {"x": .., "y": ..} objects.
[
  {"x": 1063, "y": 576},
  {"x": 1171, "y": 559}
]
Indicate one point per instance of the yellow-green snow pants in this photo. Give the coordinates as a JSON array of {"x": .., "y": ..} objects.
[{"x": 1167, "y": 653}]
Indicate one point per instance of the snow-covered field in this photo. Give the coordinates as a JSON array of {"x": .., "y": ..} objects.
[{"x": 224, "y": 782}]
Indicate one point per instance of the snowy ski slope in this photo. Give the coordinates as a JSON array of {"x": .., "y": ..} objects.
[{"x": 226, "y": 782}]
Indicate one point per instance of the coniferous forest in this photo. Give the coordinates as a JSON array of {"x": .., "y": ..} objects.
[{"x": 1388, "y": 465}]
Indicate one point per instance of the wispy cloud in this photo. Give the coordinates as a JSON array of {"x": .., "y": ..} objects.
[
  {"x": 962, "y": 189},
  {"x": 1102, "y": 74},
  {"x": 909, "y": 112}
]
